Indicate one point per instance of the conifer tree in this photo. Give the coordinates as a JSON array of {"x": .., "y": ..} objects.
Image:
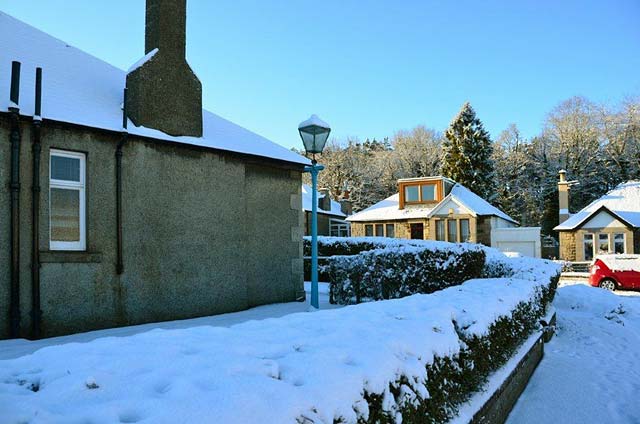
[{"x": 467, "y": 154}]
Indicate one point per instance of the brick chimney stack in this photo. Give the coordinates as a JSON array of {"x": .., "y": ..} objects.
[
  {"x": 563, "y": 196},
  {"x": 324, "y": 202},
  {"x": 163, "y": 91},
  {"x": 346, "y": 206}
]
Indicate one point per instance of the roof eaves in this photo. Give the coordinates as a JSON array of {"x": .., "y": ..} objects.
[{"x": 454, "y": 199}]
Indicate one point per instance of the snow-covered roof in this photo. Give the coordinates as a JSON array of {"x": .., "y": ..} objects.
[
  {"x": 307, "y": 203},
  {"x": 476, "y": 203},
  {"x": 388, "y": 209},
  {"x": 82, "y": 89},
  {"x": 623, "y": 202}
]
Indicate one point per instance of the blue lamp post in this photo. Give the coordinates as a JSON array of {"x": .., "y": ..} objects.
[{"x": 314, "y": 133}]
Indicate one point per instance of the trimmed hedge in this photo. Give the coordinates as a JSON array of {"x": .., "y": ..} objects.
[
  {"x": 402, "y": 271},
  {"x": 334, "y": 246},
  {"x": 453, "y": 380},
  {"x": 323, "y": 263}
]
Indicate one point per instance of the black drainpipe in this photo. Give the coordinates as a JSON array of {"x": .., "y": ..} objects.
[
  {"x": 36, "y": 313},
  {"x": 123, "y": 140},
  {"x": 14, "y": 137}
]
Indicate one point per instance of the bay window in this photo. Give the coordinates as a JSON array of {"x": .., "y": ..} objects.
[
  {"x": 587, "y": 246},
  {"x": 618, "y": 243}
]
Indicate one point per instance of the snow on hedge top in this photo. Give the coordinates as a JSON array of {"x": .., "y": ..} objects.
[
  {"x": 388, "y": 209},
  {"x": 623, "y": 201},
  {"x": 621, "y": 262},
  {"x": 81, "y": 89},
  {"x": 307, "y": 203},
  {"x": 277, "y": 370}
]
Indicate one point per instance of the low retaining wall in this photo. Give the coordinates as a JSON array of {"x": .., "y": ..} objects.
[{"x": 496, "y": 409}]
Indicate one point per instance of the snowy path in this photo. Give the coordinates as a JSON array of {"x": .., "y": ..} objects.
[
  {"x": 19, "y": 347},
  {"x": 591, "y": 369}
]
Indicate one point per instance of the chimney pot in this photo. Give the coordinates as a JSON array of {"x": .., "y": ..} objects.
[
  {"x": 563, "y": 175},
  {"x": 563, "y": 197}
]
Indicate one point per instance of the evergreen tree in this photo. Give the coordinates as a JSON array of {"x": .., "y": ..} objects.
[{"x": 467, "y": 154}]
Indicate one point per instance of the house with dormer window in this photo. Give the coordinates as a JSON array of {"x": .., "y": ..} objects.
[{"x": 438, "y": 208}]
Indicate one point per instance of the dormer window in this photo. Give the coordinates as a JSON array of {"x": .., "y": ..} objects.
[
  {"x": 411, "y": 193},
  {"x": 428, "y": 192},
  {"x": 420, "y": 192},
  {"x": 423, "y": 191}
]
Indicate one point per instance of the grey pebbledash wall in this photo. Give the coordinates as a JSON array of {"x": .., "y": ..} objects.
[{"x": 204, "y": 232}]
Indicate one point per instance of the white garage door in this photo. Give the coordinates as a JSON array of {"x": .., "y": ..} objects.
[
  {"x": 524, "y": 240},
  {"x": 523, "y": 247}
]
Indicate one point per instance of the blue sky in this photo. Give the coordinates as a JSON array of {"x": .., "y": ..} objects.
[{"x": 370, "y": 68}]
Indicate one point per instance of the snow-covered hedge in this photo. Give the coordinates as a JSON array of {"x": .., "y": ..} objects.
[
  {"x": 413, "y": 359},
  {"x": 402, "y": 270},
  {"x": 328, "y": 247}
]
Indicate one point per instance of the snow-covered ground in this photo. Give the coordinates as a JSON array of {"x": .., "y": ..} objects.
[
  {"x": 20, "y": 347},
  {"x": 590, "y": 372},
  {"x": 275, "y": 370}
]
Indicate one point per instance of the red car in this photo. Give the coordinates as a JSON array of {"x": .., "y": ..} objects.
[{"x": 613, "y": 272}]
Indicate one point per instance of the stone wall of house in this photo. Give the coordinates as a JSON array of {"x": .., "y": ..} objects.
[
  {"x": 203, "y": 233},
  {"x": 567, "y": 245},
  {"x": 402, "y": 229},
  {"x": 357, "y": 229}
]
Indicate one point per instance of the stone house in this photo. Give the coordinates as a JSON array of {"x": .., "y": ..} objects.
[
  {"x": 122, "y": 207},
  {"x": 437, "y": 208},
  {"x": 331, "y": 213},
  {"x": 610, "y": 224}
]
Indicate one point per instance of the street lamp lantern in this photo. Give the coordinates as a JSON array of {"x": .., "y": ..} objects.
[{"x": 314, "y": 133}]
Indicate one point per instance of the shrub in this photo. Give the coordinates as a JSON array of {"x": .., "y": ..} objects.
[
  {"x": 323, "y": 263},
  {"x": 403, "y": 270},
  {"x": 452, "y": 380},
  {"x": 334, "y": 246}
]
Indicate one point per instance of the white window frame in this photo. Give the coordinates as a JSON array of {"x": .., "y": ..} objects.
[
  {"x": 70, "y": 185},
  {"x": 339, "y": 225},
  {"x": 593, "y": 245},
  {"x": 624, "y": 242},
  {"x": 597, "y": 247}
]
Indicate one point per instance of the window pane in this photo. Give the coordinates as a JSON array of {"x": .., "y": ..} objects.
[
  {"x": 464, "y": 230},
  {"x": 368, "y": 230},
  {"x": 390, "y": 230},
  {"x": 453, "y": 230},
  {"x": 587, "y": 242},
  {"x": 411, "y": 194},
  {"x": 440, "y": 230},
  {"x": 379, "y": 230},
  {"x": 65, "y": 215},
  {"x": 618, "y": 243},
  {"x": 428, "y": 192},
  {"x": 64, "y": 168},
  {"x": 603, "y": 243}
]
